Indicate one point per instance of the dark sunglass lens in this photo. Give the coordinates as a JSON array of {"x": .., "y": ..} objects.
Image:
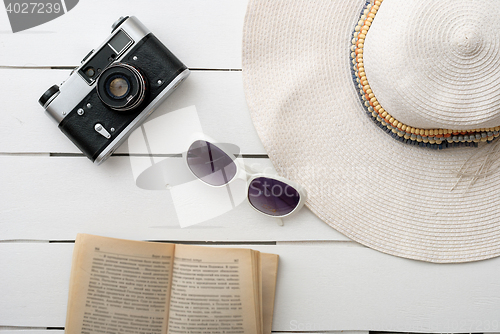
[
  {"x": 210, "y": 163},
  {"x": 272, "y": 197}
]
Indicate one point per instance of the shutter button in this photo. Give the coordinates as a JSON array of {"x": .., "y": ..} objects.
[{"x": 102, "y": 131}]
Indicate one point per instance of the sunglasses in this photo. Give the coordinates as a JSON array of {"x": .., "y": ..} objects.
[{"x": 270, "y": 195}]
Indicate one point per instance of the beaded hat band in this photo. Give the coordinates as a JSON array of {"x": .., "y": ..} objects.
[
  {"x": 433, "y": 138},
  {"x": 429, "y": 74}
]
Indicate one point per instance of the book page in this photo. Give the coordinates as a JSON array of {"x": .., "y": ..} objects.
[
  {"x": 258, "y": 287},
  {"x": 119, "y": 286},
  {"x": 213, "y": 291},
  {"x": 269, "y": 273}
]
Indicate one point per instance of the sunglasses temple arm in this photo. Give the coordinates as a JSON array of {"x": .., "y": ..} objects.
[{"x": 249, "y": 170}]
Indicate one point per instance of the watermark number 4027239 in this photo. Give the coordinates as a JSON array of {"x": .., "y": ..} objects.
[
  {"x": 33, "y": 7},
  {"x": 26, "y": 14}
]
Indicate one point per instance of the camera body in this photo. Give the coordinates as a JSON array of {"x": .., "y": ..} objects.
[{"x": 114, "y": 90}]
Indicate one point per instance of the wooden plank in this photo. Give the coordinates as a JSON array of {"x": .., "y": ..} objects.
[
  {"x": 321, "y": 287},
  {"x": 35, "y": 282},
  {"x": 54, "y": 198},
  {"x": 203, "y": 34},
  {"x": 217, "y": 95}
]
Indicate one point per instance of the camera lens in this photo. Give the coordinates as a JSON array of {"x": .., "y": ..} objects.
[
  {"x": 121, "y": 87},
  {"x": 118, "y": 87}
]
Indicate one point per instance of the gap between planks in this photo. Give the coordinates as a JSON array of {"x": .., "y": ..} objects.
[
  {"x": 70, "y": 68},
  {"x": 62, "y": 154},
  {"x": 214, "y": 243}
]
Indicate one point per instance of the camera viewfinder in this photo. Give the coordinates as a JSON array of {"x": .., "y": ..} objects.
[{"x": 105, "y": 56}]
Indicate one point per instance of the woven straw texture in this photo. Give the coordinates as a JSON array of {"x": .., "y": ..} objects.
[
  {"x": 439, "y": 71},
  {"x": 390, "y": 196}
]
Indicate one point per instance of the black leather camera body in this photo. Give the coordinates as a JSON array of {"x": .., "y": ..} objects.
[{"x": 114, "y": 90}]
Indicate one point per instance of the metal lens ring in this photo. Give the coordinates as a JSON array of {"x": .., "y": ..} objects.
[{"x": 121, "y": 87}]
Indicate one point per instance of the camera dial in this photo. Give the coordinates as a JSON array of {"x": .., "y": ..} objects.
[
  {"x": 118, "y": 22},
  {"x": 121, "y": 87},
  {"x": 48, "y": 95}
]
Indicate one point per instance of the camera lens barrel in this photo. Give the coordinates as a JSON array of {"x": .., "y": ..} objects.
[
  {"x": 51, "y": 92},
  {"x": 121, "y": 87}
]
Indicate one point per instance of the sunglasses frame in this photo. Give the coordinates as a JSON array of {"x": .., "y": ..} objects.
[{"x": 245, "y": 173}]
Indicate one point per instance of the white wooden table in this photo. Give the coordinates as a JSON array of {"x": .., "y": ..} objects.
[{"x": 50, "y": 192}]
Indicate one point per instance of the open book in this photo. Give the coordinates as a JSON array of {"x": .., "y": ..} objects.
[{"x": 123, "y": 286}]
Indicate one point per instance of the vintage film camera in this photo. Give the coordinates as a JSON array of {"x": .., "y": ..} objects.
[{"x": 114, "y": 90}]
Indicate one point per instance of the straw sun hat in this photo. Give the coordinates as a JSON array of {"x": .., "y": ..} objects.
[{"x": 387, "y": 113}]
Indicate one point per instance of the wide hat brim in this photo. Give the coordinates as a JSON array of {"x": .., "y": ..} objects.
[{"x": 396, "y": 198}]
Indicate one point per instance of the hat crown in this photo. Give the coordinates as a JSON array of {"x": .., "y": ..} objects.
[
  {"x": 467, "y": 41},
  {"x": 436, "y": 64}
]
